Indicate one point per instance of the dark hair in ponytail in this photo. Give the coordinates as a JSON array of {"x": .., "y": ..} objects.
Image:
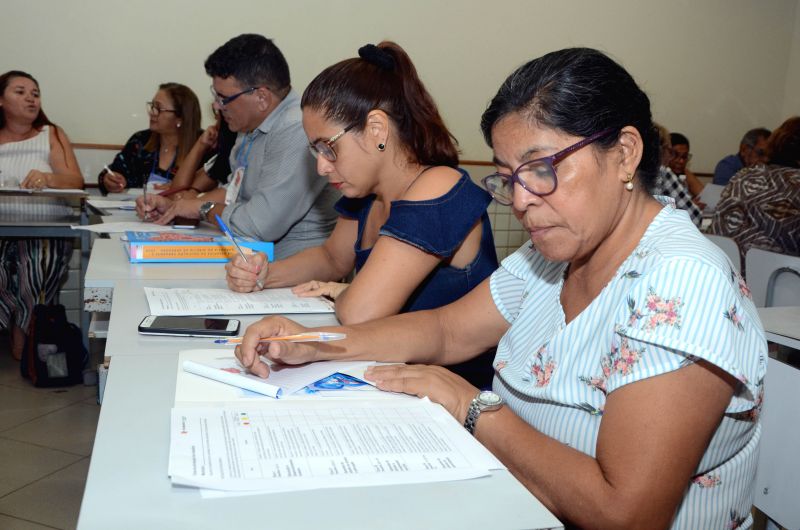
[{"x": 384, "y": 78}]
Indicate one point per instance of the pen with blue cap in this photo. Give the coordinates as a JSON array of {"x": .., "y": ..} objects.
[{"x": 228, "y": 233}]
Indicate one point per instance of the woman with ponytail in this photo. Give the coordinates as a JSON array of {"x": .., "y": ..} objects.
[{"x": 411, "y": 224}]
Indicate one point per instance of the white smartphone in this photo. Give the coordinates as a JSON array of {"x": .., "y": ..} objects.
[{"x": 189, "y": 326}]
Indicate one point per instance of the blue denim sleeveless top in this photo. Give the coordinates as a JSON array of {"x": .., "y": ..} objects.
[{"x": 437, "y": 226}]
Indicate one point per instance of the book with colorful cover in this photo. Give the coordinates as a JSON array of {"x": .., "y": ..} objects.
[{"x": 165, "y": 247}]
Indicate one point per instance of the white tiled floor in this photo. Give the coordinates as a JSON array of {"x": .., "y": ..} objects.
[{"x": 46, "y": 438}]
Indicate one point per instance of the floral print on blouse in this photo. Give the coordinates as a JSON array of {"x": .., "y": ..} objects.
[{"x": 675, "y": 300}]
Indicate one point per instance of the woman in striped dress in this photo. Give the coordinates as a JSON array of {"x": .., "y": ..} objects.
[
  {"x": 630, "y": 357},
  {"x": 34, "y": 153}
]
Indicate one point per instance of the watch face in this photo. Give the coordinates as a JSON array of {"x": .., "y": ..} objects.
[{"x": 489, "y": 398}]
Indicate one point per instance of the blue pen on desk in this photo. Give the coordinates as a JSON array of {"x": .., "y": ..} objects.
[{"x": 228, "y": 233}]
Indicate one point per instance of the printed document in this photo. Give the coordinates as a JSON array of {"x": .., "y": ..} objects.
[
  {"x": 276, "y": 446},
  {"x": 183, "y": 302},
  {"x": 216, "y": 375}
]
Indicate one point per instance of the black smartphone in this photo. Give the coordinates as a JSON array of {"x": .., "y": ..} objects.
[{"x": 189, "y": 326}]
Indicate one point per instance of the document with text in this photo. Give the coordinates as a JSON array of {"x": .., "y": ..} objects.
[
  {"x": 281, "y": 446},
  {"x": 183, "y": 302}
]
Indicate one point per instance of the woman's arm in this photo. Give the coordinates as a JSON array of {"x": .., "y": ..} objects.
[
  {"x": 393, "y": 271},
  {"x": 651, "y": 439},
  {"x": 193, "y": 161},
  {"x": 448, "y": 335},
  {"x": 331, "y": 261},
  {"x": 66, "y": 172}
]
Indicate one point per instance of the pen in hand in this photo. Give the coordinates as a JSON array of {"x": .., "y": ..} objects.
[
  {"x": 314, "y": 336},
  {"x": 229, "y": 234}
]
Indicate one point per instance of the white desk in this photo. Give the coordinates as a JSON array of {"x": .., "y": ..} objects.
[
  {"x": 781, "y": 325},
  {"x": 130, "y": 307},
  {"x": 127, "y": 486}
]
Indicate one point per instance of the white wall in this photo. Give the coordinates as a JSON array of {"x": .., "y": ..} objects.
[
  {"x": 791, "y": 102},
  {"x": 713, "y": 69}
]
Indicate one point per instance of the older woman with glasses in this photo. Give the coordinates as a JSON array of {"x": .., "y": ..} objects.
[
  {"x": 630, "y": 358},
  {"x": 412, "y": 225},
  {"x": 155, "y": 154}
]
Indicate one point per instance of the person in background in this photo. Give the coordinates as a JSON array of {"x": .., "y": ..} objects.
[
  {"x": 760, "y": 206},
  {"x": 154, "y": 155},
  {"x": 412, "y": 224},
  {"x": 669, "y": 184},
  {"x": 630, "y": 363},
  {"x": 752, "y": 151},
  {"x": 273, "y": 193},
  {"x": 681, "y": 156},
  {"x": 34, "y": 154},
  {"x": 194, "y": 176}
]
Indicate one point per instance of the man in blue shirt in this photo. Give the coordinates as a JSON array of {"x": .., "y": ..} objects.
[{"x": 752, "y": 151}]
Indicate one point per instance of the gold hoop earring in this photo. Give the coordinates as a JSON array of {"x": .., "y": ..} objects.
[{"x": 629, "y": 182}]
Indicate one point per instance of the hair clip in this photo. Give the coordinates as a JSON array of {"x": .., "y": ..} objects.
[{"x": 374, "y": 55}]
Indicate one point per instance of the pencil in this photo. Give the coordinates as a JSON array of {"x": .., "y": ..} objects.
[{"x": 314, "y": 336}]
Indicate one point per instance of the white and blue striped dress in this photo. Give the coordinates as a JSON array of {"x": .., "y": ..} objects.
[{"x": 676, "y": 298}]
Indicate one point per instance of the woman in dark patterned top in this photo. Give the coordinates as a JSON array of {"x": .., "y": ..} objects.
[
  {"x": 760, "y": 206},
  {"x": 154, "y": 155}
]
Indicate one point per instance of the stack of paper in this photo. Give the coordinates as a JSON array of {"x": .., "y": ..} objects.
[
  {"x": 229, "y": 442},
  {"x": 187, "y": 302}
]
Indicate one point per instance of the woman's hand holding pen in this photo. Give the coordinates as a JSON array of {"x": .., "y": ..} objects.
[
  {"x": 242, "y": 276},
  {"x": 114, "y": 182},
  {"x": 249, "y": 352},
  {"x": 151, "y": 207}
]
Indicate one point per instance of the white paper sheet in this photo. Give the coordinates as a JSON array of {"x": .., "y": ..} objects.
[
  {"x": 275, "y": 446},
  {"x": 49, "y": 191},
  {"x": 105, "y": 204},
  {"x": 215, "y": 375},
  {"x": 124, "y": 226},
  {"x": 187, "y": 302}
]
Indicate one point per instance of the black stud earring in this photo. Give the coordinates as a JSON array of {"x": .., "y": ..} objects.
[{"x": 381, "y": 147}]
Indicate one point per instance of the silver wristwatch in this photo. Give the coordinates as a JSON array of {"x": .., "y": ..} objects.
[
  {"x": 205, "y": 209},
  {"x": 485, "y": 401}
]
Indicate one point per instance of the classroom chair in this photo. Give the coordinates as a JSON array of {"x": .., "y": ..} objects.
[{"x": 774, "y": 279}]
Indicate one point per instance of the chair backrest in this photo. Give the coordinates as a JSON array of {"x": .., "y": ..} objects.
[
  {"x": 774, "y": 279},
  {"x": 729, "y": 247},
  {"x": 778, "y": 465},
  {"x": 710, "y": 196}
]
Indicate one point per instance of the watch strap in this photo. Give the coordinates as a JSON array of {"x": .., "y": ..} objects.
[{"x": 473, "y": 412}]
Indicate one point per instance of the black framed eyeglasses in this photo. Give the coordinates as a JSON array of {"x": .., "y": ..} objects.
[
  {"x": 224, "y": 100},
  {"x": 154, "y": 109},
  {"x": 536, "y": 176},
  {"x": 324, "y": 148}
]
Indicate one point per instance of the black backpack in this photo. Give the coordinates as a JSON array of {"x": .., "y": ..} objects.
[{"x": 54, "y": 354}]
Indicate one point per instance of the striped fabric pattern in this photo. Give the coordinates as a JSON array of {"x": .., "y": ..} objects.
[
  {"x": 675, "y": 299},
  {"x": 30, "y": 269},
  {"x": 30, "y": 273},
  {"x": 760, "y": 207}
]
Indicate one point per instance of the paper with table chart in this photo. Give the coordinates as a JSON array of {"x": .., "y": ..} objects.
[
  {"x": 188, "y": 302},
  {"x": 278, "y": 446},
  {"x": 216, "y": 376}
]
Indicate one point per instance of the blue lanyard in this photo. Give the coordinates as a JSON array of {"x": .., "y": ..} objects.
[
  {"x": 246, "y": 146},
  {"x": 155, "y": 164}
]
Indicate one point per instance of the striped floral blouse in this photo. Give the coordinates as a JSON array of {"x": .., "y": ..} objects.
[{"x": 674, "y": 300}]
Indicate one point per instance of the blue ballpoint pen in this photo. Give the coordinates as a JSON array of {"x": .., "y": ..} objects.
[{"x": 228, "y": 233}]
